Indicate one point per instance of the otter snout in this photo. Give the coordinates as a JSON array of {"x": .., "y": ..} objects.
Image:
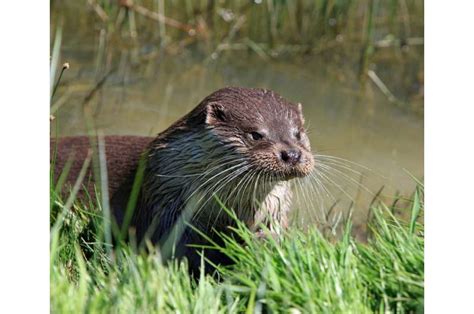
[
  {"x": 293, "y": 162},
  {"x": 291, "y": 157}
]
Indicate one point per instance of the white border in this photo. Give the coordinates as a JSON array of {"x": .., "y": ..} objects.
[
  {"x": 449, "y": 161},
  {"x": 24, "y": 163}
]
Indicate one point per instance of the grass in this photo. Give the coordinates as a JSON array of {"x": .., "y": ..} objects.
[
  {"x": 267, "y": 27},
  {"x": 301, "y": 272}
]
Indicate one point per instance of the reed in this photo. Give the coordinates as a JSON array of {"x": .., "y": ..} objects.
[{"x": 304, "y": 26}]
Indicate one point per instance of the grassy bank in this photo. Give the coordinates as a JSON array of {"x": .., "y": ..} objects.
[{"x": 304, "y": 272}]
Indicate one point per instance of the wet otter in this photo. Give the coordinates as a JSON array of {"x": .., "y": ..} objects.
[{"x": 239, "y": 145}]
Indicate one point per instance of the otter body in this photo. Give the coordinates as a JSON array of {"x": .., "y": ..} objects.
[{"x": 239, "y": 146}]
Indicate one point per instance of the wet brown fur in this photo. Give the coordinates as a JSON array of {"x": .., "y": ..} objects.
[{"x": 183, "y": 169}]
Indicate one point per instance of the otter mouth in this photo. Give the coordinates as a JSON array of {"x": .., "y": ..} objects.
[
  {"x": 300, "y": 170},
  {"x": 293, "y": 175},
  {"x": 289, "y": 177},
  {"x": 288, "y": 174},
  {"x": 281, "y": 170}
]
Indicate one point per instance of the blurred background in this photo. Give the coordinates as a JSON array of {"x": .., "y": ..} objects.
[{"x": 356, "y": 66}]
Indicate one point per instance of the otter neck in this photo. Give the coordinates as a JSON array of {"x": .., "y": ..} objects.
[{"x": 211, "y": 170}]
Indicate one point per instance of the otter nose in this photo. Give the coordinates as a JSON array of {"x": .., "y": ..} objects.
[{"x": 290, "y": 156}]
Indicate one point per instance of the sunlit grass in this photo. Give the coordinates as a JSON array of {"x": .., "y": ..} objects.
[{"x": 299, "y": 272}]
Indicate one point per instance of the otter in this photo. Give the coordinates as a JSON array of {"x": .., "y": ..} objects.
[{"x": 238, "y": 148}]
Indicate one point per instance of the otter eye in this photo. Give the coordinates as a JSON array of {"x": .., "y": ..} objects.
[
  {"x": 298, "y": 135},
  {"x": 256, "y": 136}
]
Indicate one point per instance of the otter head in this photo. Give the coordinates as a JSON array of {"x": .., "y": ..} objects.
[{"x": 262, "y": 128}]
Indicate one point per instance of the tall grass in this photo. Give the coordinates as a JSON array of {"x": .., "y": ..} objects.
[
  {"x": 268, "y": 26},
  {"x": 297, "y": 273}
]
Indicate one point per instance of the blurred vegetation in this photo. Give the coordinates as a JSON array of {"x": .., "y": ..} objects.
[
  {"x": 373, "y": 35},
  {"x": 270, "y": 27}
]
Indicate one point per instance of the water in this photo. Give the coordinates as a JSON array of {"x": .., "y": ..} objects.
[{"x": 144, "y": 98}]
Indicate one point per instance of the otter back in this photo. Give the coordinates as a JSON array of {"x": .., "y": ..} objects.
[{"x": 122, "y": 155}]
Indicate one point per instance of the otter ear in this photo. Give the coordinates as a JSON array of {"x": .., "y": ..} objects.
[
  {"x": 300, "y": 111},
  {"x": 215, "y": 112}
]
